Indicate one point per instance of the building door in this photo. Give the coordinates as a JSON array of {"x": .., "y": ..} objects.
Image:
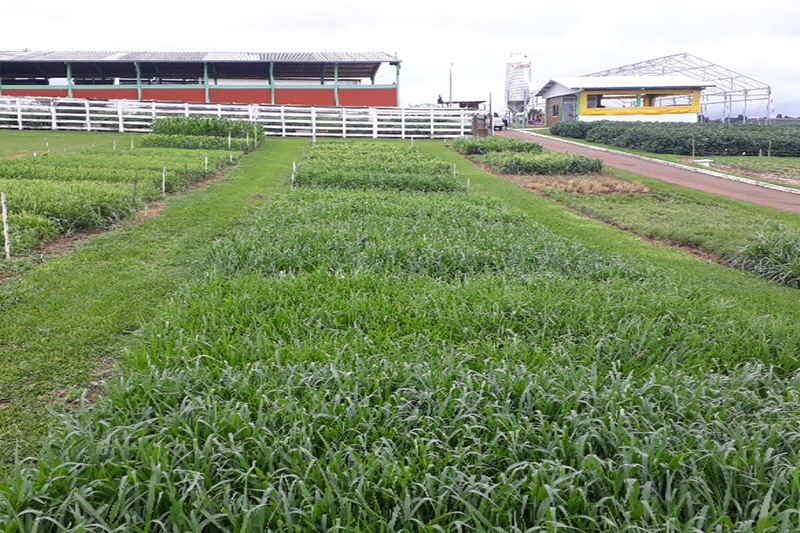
[{"x": 569, "y": 106}]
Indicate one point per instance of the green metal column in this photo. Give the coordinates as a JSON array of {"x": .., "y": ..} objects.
[
  {"x": 336, "y": 84},
  {"x": 272, "y": 81},
  {"x": 138, "y": 81},
  {"x": 205, "y": 82},
  {"x": 69, "y": 80}
]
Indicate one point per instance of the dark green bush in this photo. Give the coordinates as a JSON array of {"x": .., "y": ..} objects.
[
  {"x": 572, "y": 129},
  {"x": 701, "y": 140}
]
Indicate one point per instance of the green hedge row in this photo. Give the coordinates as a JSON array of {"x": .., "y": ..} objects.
[{"x": 704, "y": 139}]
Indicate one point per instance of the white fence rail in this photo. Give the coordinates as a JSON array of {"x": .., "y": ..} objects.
[{"x": 24, "y": 113}]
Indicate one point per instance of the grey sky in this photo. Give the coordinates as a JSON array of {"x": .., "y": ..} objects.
[{"x": 758, "y": 39}]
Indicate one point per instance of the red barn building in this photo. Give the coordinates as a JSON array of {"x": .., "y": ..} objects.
[{"x": 324, "y": 79}]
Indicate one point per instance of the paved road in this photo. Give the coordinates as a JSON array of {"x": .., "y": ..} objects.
[{"x": 680, "y": 176}]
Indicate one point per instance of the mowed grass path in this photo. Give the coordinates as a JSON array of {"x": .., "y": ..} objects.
[{"x": 63, "y": 322}]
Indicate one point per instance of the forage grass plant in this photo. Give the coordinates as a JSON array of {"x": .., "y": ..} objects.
[{"x": 775, "y": 256}]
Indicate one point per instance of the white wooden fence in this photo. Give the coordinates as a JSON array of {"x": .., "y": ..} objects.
[{"x": 278, "y": 120}]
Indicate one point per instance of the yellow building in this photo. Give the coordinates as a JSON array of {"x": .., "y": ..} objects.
[{"x": 622, "y": 98}]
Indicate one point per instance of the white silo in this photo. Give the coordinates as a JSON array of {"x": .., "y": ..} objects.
[{"x": 518, "y": 85}]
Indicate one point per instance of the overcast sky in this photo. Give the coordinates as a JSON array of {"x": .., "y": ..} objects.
[{"x": 757, "y": 39}]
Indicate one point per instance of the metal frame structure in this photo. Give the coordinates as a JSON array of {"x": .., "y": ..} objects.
[
  {"x": 725, "y": 87},
  {"x": 219, "y": 77}
]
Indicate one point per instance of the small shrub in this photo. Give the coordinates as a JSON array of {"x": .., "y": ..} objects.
[{"x": 572, "y": 129}]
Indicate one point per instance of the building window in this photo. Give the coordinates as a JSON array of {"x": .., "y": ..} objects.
[{"x": 555, "y": 110}]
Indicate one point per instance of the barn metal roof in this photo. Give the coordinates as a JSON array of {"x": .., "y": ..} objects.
[
  {"x": 579, "y": 83},
  {"x": 351, "y": 65}
]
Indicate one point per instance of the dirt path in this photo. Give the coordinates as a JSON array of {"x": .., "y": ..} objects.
[{"x": 679, "y": 176}]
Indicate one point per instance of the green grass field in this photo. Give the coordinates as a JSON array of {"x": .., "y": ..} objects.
[{"x": 259, "y": 358}]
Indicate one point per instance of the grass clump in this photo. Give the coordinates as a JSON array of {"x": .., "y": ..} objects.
[{"x": 774, "y": 256}]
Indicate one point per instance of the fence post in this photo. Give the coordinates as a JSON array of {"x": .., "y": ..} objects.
[
  {"x": 6, "y": 237},
  {"x": 432, "y": 126},
  {"x": 313, "y": 123},
  {"x": 344, "y": 123},
  {"x": 88, "y": 116},
  {"x": 403, "y": 123},
  {"x": 53, "y": 119},
  {"x": 120, "y": 118},
  {"x": 373, "y": 113},
  {"x": 283, "y": 122},
  {"x": 19, "y": 113}
]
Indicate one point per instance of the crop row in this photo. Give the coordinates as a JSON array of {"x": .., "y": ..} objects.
[
  {"x": 704, "y": 139},
  {"x": 394, "y": 361}
]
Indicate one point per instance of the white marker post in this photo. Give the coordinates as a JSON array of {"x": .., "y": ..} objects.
[{"x": 6, "y": 237}]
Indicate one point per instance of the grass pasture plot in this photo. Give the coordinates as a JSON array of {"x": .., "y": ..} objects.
[
  {"x": 484, "y": 145},
  {"x": 710, "y": 223},
  {"x": 372, "y": 360},
  {"x": 65, "y": 322},
  {"x": 72, "y": 206},
  {"x": 14, "y": 143},
  {"x": 377, "y": 165},
  {"x": 207, "y": 133},
  {"x": 95, "y": 188}
]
